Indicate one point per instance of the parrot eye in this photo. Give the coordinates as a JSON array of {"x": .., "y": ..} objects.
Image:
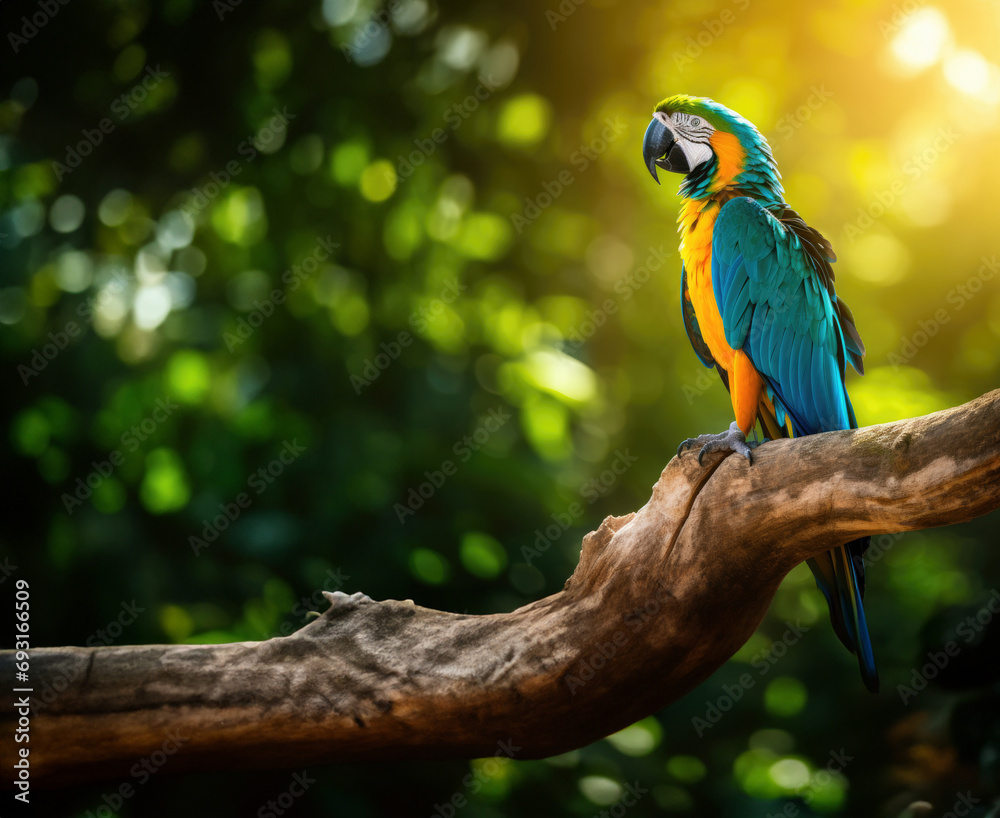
[{"x": 696, "y": 121}]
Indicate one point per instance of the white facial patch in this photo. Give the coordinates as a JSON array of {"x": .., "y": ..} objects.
[{"x": 693, "y": 134}]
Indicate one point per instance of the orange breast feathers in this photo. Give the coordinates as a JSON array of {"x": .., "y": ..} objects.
[
  {"x": 730, "y": 155},
  {"x": 745, "y": 384}
]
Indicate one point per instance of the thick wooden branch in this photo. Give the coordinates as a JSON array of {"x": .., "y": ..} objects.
[{"x": 660, "y": 599}]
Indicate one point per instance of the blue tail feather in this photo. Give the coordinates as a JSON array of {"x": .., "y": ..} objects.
[
  {"x": 866, "y": 657},
  {"x": 839, "y": 575}
]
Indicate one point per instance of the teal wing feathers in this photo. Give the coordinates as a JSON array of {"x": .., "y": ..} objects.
[{"x": 774, "y": 288}]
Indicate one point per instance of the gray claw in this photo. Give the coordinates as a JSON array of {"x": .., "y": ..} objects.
[{"x": 732, "y": 440}]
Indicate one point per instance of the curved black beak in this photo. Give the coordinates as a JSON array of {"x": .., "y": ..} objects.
[{"x": 660, "y": 149}]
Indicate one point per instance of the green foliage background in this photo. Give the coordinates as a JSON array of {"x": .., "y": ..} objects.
[{"x": 885, "y": 127}]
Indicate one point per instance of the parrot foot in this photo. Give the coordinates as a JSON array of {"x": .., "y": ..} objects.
[{"x": 730, "y": 441}]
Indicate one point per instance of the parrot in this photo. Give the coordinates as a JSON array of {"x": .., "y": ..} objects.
[{"x": 758, "y": 304}]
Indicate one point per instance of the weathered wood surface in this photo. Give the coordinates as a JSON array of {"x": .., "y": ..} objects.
[{"x": 660, "y": 599}]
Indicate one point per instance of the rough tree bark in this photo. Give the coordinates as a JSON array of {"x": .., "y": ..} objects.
[{"x": 669, "y": 592}]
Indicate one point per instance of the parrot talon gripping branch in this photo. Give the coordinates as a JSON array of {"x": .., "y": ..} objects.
[
  {"x": 759, "y": 305},
  {"x": 732, "y": 440}
]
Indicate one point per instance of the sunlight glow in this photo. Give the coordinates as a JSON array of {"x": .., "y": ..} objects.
[
  {"x": 151, "y": 306},
  {"x": 789, "y": 774},
  {"x": 967, "y": 71},
  {"x": 921, "y": 39},
  {"x": 972, "y": 74}
]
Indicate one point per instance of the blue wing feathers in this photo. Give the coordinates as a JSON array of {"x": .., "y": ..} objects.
[
  {"x": 800, "y": 380},
  {"x": 791, "y": 369},
  {"x": 825, "y": 412},
  {"x": 777, "y": 309},
  {"x": 779, "y": 350}
]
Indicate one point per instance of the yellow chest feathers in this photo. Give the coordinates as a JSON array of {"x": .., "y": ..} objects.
[{"x": 697, "y": 218}]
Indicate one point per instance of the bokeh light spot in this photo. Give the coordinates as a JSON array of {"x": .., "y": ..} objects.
[
  {"x": 482, "y": 555},
  {"x": 164, "y": 486},
  {"x": 188, "y": 377},
  {"x": 686, "y": 769},
  {"x": 378, "y": 181},
  {"x": 921, "y": 39},
  {"x": 785, "y": 696},
  {"x": 524, "y": 120},
  {"x": 429, "y": 566},
  {"x": 66, "y": 214}
]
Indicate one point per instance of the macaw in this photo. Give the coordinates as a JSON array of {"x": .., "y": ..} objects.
[{"x": 758, "y": 304}]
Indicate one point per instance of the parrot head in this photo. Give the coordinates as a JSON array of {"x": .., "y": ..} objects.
[{"x": 713, "y": 147}]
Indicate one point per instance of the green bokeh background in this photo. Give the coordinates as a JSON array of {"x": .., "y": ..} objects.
[{"x": 423, "y": 140}]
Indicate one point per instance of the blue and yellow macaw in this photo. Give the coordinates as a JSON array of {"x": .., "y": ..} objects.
[{"x": 759, "y": 305}]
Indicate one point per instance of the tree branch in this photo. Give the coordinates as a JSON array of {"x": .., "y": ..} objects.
[{"x": 660, "y": 599}]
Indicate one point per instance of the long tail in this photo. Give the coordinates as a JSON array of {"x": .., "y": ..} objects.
[{"x": 840, "y": 575}]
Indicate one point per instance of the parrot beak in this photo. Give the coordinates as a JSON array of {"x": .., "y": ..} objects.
[{"x": 661, "y": 149}]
